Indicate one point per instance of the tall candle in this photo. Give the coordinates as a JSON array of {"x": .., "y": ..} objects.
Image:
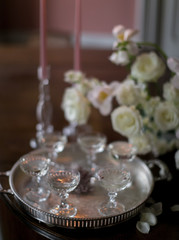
[
  {"x": 77, "y": 32},
  {"x": 43, "y": 54}
]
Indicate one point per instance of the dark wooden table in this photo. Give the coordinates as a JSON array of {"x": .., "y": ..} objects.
[{"x": 18, "y": 99}]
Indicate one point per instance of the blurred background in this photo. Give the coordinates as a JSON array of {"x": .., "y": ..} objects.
[{"x": 157, "y": 21}]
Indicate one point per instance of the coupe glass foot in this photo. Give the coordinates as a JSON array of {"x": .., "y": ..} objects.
[
  {"x": 106, "y": 210},
  {"x": 40, "y": 195},
  {"x": 70, "y": 211}
]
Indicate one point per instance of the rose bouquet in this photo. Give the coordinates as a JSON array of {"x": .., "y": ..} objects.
[{"x": 149, "y": 120}]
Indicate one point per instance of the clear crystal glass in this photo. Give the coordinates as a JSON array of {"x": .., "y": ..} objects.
[
  {"x": 122, "y": 150},
  {"x": 55, "y": 142},
  {"x": 73, "y": 130},
  {"x": 44, "y": 109},
  {"x": 92, "y": 143},
  {"x": 113, "y": 180},
  {"x": 64, "y": 181},
  {"x": 35, "y": 166}
]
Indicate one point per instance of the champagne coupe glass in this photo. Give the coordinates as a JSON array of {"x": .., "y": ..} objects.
[
  {"x": 92, "y": 143},
  {"x": 64, "y": 181},
  {"x": 35, "y": 166},
  {"x": 121, "y": 150},
  {"x": 113, "y": 180},
  {"x": 55, "y": 142},
  {"x": 124, "y": 152}
]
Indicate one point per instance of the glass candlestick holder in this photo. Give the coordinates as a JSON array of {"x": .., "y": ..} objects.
[{"x": 44, "y": 108}]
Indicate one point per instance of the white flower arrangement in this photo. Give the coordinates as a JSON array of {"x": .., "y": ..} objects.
[{"x": 149, "y": 122}]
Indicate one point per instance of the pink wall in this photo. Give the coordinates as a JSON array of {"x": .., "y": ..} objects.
[{"x": 97, "y": 15}]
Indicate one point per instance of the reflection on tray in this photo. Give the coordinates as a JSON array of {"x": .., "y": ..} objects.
[{"x": 87, "y": 203}]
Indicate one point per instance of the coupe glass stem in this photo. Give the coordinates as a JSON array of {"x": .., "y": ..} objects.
[
  {"x": 91, "y": 162},
  {"x": 36, "y": 182},
  {"x": 53, "y": 155},
  {"x": 112, "y": 199},
  {"x": 63, "y": 195},
  {"x": 91, "y": 157}
]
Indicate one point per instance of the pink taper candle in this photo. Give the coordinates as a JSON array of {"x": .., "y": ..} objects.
[
  {"x": 77, "y": 32},
  {"x": 43, "y": 54}
]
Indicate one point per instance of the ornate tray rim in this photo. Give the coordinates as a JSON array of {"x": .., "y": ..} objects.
[{"x": 73, "y": 223}]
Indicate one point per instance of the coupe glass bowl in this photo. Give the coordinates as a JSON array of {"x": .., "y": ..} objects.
[
  {"x": 122, "y": 150},
  {"x": 54, "y": 142}
]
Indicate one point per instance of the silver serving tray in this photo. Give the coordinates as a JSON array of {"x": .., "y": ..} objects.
[{"x": 87, "y": 204}]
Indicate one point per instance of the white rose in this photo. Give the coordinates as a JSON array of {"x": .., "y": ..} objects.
[
  {"x": 128, "y": 93},
  {"x": 76, "y": 107},
  {"x": 148, "y": 67},
  {"x": 166, "y": 116},
  {"x": 141, "y": 142},
  {"x": 170, "y": 93},
  {"x": 126, "y": 121}
]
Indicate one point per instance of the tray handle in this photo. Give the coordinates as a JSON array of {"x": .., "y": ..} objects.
[
  {"x": 159, "y": 169},
  {"x": 5, "y": 191}
]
